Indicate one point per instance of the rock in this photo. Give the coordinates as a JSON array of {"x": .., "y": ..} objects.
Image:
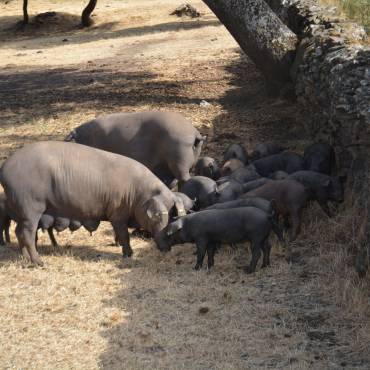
[{"x": 186, "y": 9}]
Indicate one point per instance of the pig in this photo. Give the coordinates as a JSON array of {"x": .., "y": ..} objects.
[
  {"x": 230, "y": 166},
  {"x": 278, "y": 175},
  {"x": 77, "y": 182},
  {"x": 251, "y": 185},
  {"x": 208, "y": 167},
  {"x": 222, "y": 180},
  {"x": 321, "y": 188},
  {"x": 165, "y": 142},
  {"x": 320, "y": 157},
  {"x": 209, "y": 228},
  {"x": 245, "y": 174},
  {"x": 229, "y": 191},
  {"x": 236, "y": 151},
  {"x": 290, "y": 198},
  {"x": 285, "y": 161},
  {"x": 201, "y": 190},
  {"x": 266, "y": 149},
  {"x": 260, "y": 203}
]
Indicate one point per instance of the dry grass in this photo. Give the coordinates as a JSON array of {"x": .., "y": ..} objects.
[
  {"x": 357, "y": 10},
  {"x": 89, "y": 309}
]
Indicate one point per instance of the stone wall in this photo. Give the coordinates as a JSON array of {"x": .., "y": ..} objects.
[{"x": 331, "y": 77}]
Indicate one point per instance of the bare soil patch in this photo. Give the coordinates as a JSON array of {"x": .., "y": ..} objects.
[{"x": 88, "y": 308}]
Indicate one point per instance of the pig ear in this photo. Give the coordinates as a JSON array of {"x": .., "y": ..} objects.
[
  {"x": 198, "y": 140},
  {"x": 174, "y": 227},
  {"x": 153, "y": 208},
  {"x": 180, "y": 207}
]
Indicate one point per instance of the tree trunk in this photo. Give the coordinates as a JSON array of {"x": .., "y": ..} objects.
[
  {"x": 25, "y": 12},
  {"x": 261, "y": 34},
  {"x": 85, "y": 18}
]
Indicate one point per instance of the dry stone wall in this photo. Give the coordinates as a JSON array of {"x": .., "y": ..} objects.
[{"x": 331, "y": 77}]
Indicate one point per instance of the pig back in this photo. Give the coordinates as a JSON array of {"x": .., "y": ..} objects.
[{"x": 144, "y": 136}]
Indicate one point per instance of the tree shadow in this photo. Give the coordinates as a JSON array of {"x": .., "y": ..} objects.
[
  {"x": 34, "y": 93},
  {"x": 250, "y": 115},
  {"x": 71, "y": 28},
  {"x": 11, "y": 253}
]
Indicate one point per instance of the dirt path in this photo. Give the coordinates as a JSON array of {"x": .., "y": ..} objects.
[{"x": 89, "y": 309}]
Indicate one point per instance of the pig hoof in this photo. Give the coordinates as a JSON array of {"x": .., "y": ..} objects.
[
  {"x": 197, "y": 267},
  {"x": 127, "y": 255},
  {"x": 248, "y": 270},
  {"x": 38, "y": 263}
]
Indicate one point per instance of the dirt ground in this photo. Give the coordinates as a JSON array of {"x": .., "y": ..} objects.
[{"x": 87, "y": 308}]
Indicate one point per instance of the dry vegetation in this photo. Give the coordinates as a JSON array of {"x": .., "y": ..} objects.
[
  {"x": 87, "y": 308},
  {"x": 358, "y": 10}
]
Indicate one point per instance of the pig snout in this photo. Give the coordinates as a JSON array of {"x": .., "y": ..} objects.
[{"x": 162, "y": 242}]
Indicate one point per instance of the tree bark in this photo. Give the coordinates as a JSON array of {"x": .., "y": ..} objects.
[
  {"x": 85, "y": 17},
  {"x": 261, "y": 34},
  {"x": 25, "y": 12}
]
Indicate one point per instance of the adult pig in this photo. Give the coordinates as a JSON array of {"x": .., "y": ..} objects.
[
  {"x": 286, "y": 161},
  {"x": 81, "y": 183},
  {"x": 201, "y": 190},
  {"x": 209, "y": 228},
  {"x": 320, "y": 157},
  {"x": 208, "y": 167},
  {"x": 321, "y": 187},
  {"x": 165, "y": 142}
]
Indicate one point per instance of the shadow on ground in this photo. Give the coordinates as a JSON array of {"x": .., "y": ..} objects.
[{"x": 69, "y": 25}]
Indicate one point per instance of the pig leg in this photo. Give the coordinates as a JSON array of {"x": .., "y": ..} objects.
[
  {"x": 211, "y": 248},
  {"x": 324, "y": 206},
  {"x": 201, "y": 252},
  {"x": 123, "y": 238},
  {"x": 54, "y": 243},
  {"x": 296, "y": 217},
  {"x": 26, "y": 233},
  {"x": 256, "y": 254},
  {"x": 180, "y": 171},
  {"x": 266, "y": 254},
  {"x": 6, "y": 228},
  {"x": 2, "y": 231}
]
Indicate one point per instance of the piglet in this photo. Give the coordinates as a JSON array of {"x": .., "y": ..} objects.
[{"x": 209, "y": 228}]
